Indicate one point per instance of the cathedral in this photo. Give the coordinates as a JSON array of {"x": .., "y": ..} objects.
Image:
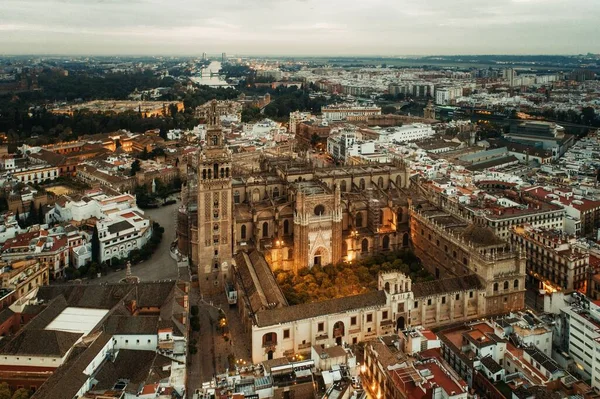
[{"x": 296, "y": 215}]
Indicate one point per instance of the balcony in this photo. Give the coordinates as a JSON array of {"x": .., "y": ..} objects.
[
  {"x": 304, "y": 346},
  {"x": 268, "y": 344},
  {"x": 322, "y": 337}
]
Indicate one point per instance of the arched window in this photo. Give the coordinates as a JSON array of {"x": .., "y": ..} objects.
[
  {"x": 343, "y": 186},
  {"x": 319, "y": 210},
  {"x": 204, "y": 174},
  {"x": 506, "y": 285},
  {"x": 226, "y": 172},
  {"x": 381, "y": 214},
  {"x": 243, "y": 232},
  {"x": 380, "y": 182},
  {"x": 405, "y": 240},
  {"x": 286, "y": 227},
  {"x": 361, "y": 184},
  {"x": 364, "y": 246},
  {"x": 265, "y": 230},
  {"x": 516, "y": 284},
  {"x": 399, "y": 181},
  {"x": 236, "y": 197},
  {"x": 386, "y": 242},
  {"x": 358, "y": 219},
  {"x": 276, "y": 192},
  {"x": 222, "y": 173},
  {"x": 399, "y": 216},
  {"x": 216, "y": 170},
  {"x": 210, "y": 174},
  {"x": 495, "y": 287}
]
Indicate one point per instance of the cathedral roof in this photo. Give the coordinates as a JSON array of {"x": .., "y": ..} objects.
[
  {"x": 447, "y": 286},
  {"x": 310, "y": 310}
]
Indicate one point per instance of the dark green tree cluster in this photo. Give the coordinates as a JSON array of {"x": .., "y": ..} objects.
[
  {"x": 202, "y": 94},
  {"x": 5, "y": 392},
  {"x": 235, "y": 71},
  {"x": 88, "y": 86},
  {"x": 147, "y": 199},
  {"x": 251, "y": 114},
  {"x": 292, "y": 99},
  {"x": 344, "y": 279},
  {"x": 35, "y": 215}
]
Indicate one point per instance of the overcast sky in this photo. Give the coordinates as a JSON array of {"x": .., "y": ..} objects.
[{"x": 303, "y": 27}]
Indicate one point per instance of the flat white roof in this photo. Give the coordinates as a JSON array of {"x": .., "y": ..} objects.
[{"x": 81, "y": 320}]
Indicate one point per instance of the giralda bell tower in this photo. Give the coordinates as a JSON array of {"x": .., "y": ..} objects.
[{"x": 214, "y": 208}]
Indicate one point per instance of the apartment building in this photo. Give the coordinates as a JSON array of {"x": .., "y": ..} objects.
[{"x": 554, "y": 262}]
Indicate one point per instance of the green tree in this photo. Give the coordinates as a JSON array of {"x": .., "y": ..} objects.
[
  {"x": 135, "y": 167},
  {"x": 4, "y": 391},
  {"x": 32, "y": 217},
  {"x": 95, "y": 245},
  {"x": 21, "y": 393},
  {"x": 163, "y": 133},
  {"x": 41, "y": 215},
  {"x": 388, "y": 109}
]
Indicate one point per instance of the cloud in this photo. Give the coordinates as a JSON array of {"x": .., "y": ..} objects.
[{"x": 299, "y": 26}]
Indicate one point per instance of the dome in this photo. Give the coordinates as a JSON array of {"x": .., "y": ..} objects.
[{"x": 481, "y": 235}]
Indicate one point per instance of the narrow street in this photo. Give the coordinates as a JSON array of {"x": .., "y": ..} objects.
[{"x": 214, "y": 349}]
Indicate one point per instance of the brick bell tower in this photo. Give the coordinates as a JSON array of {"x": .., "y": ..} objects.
[{"x": 215, "y": 210}]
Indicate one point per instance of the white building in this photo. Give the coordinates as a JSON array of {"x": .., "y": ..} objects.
[
  {"x": 338, "y": 144},
  {"x": 122, "y": 232},
  {"x": 36, "y": 174},
  {"x": 407, "y": 133},
  {"x": 444, "y": 95},
  {"x": 341, "y": 112},
  {"x": 93, "y": 204},
  {"x": 581, "y": 336}
]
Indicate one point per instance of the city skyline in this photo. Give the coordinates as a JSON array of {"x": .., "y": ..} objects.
[{"x": 294, "y": 27}]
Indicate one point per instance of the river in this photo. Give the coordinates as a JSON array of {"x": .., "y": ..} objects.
[{"x": 207, "y": 79}]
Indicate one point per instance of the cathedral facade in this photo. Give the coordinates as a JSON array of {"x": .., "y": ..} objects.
[{"x": 296, "y": 215}]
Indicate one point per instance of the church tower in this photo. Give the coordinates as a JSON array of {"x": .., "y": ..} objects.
[
  {"x": 429, "y": 111},
  {"x": 215, "y": 208}
]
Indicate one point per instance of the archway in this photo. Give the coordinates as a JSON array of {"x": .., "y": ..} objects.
[
  {"x": 270, "y": 355},
  {"x": 320, "y": 257},
  {"x": 380, "y": 182},
  {"x": 399, "y": 181},
  {"x": 265, "y": 229},
  {"x": 362, "y": 184},
  {"x": 286, "y": 227},
  {"x": 364, "y": 246},
  {"x": 338, "y": 332},
  {"x": 386, "y": 287},
  {"x": 243, "y": 232},
  {"x": 358, "y": 220},
  {"x": 400, "y": 323},
  {"x": 386, "y": 243}
]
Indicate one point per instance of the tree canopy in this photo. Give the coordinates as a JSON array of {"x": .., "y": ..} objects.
[{"x": 344, "y": 279}]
